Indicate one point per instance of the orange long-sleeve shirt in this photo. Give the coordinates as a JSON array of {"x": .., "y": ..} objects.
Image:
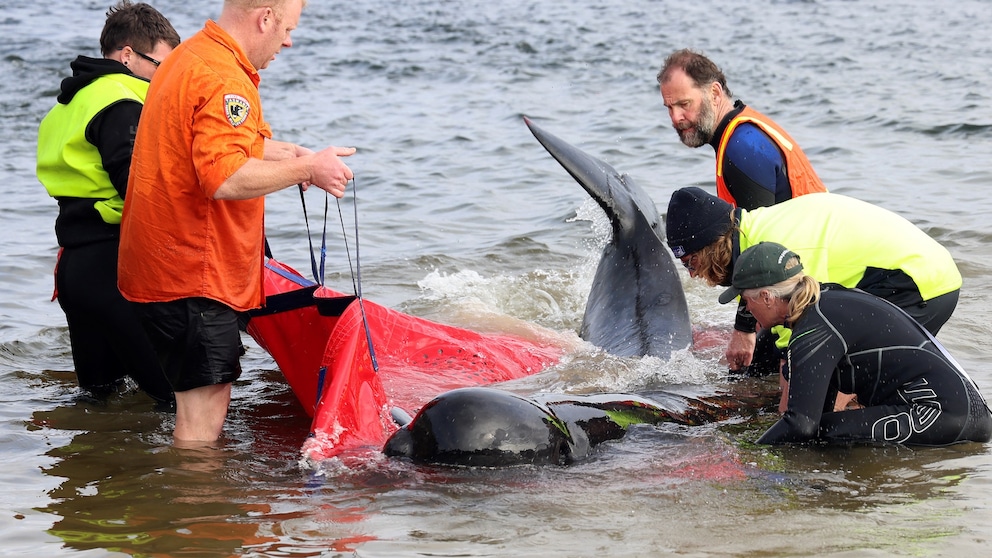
[{"x": 201, "y": 122}]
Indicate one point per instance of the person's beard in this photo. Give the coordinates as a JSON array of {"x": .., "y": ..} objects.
[{"x": 702, "y": 129}]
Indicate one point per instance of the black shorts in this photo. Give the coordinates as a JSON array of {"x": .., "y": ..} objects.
[{"x": 197, "y": 340}]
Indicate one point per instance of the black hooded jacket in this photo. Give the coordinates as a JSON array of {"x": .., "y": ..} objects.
[{"x": 112, "y": 131}]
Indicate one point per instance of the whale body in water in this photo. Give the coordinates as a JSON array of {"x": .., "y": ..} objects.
[
  {"x": 489, "y": 427},
  {"x": 636, "y": 305}
]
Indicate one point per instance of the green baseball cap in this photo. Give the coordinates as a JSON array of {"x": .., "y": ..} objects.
[{"x": 761, "y": 265}]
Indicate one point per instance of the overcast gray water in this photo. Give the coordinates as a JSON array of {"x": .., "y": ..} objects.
[{"x": 465, "y": 219}]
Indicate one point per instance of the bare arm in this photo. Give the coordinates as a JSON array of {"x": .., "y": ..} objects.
[
  {"x": 740, "y": 350},
  {"x": 281, "y": 150},
  {"x": 286, "y": 164}
]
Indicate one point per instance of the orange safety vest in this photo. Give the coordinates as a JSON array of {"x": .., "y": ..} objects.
[{"x": 802, "y": 177}]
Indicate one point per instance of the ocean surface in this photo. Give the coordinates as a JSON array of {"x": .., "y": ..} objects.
[{"x": 463, "y": 218}]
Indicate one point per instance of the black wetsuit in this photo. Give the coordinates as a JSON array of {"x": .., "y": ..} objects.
[{"x": 912, "y": 391}]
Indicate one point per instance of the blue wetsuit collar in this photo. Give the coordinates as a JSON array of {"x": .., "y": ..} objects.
[{"x": 724, "y": 122}]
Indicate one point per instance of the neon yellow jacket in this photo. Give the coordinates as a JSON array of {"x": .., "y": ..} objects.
[
  {"x": 68, "y": 164},
  {"x": 838, "y": 238}
]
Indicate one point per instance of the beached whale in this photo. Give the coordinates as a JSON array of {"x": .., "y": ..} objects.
[
  {"x": 488, "y": 427},
  {"x": 636, "y": 305},
  {"x": 323, "y": 340}
]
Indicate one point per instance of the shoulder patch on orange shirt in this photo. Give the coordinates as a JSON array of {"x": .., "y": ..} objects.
[{"x": 236, "y": 107}]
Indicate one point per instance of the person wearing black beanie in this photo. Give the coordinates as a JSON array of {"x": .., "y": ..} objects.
[
  {"x": 840, "y": 239},
  {"x": 695, "y": 220}
]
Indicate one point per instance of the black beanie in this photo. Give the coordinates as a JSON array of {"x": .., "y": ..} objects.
[{"x": 695, "y": 220}]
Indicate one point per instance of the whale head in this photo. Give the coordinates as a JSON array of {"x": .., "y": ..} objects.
[{"x": 483, "y": 427}]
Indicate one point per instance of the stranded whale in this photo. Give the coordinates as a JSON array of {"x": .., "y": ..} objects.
[
  {"x": 488, "y": 427},
  {"x": 636, "y": 305}
]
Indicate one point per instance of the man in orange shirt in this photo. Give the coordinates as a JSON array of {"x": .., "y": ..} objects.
[{"x": 192, "y": 231}]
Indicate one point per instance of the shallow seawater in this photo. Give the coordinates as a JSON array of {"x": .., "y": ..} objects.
[{"x": 463, "y": 218}]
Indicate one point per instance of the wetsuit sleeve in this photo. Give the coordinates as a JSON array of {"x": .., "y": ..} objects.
[
  {"x": 745, "y": 321},
  {"x": 754, "y": 168},
  {"x": 815, "y": 351},
  {"x": 112, "y": 131}
]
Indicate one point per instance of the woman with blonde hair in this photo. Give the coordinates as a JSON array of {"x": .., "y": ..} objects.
[
  {"x": 841, "y": 239},
  {"x": 911, "y": 391}
]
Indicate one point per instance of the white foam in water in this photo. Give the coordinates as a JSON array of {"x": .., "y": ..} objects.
[{"x": 449, "y": 178}]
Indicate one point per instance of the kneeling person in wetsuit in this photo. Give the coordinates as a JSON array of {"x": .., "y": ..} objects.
[
  {"x": 841, "y": 240},
  {"x": 910, "y": 389}
]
